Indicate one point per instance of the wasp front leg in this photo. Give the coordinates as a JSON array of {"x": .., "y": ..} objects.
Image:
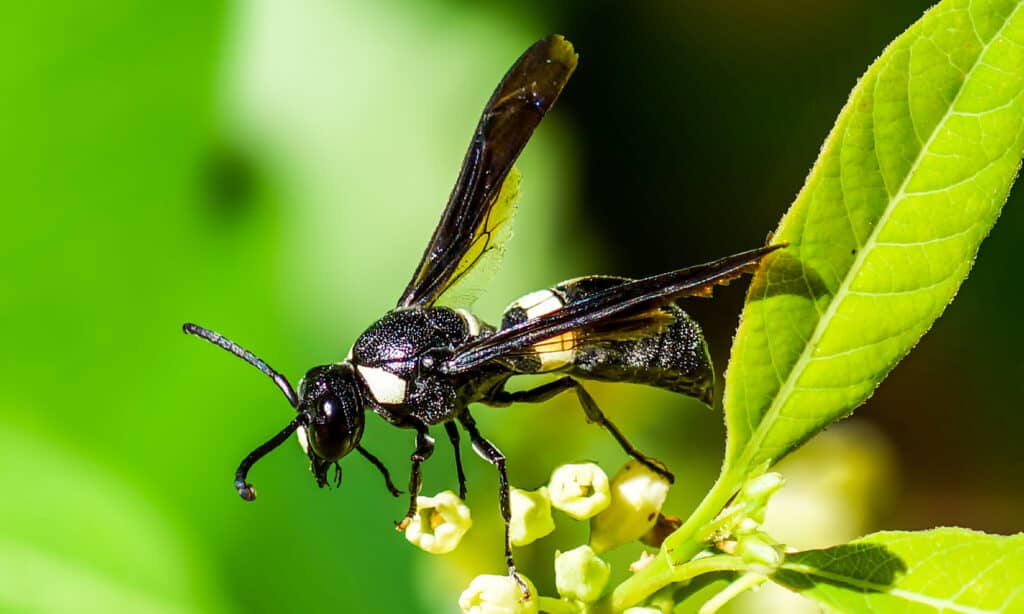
[
  {"x": 424, "y": 448},
  {"x": 453, "y": 436}
]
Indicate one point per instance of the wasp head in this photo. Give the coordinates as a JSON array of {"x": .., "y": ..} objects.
[
  {"x": 330, "y": 402},
  {"x": 329, "y": 421}
]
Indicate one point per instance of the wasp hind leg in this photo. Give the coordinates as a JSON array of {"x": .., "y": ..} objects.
[
  {"x": 590, "y": 408},
  {"x": 494, "y": 456}
]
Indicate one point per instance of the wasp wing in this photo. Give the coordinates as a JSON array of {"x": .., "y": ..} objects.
[
  {"x": 632, "y": 300},
  {"x": 485, "y": 253},
  {"x": 478, "y": 212}
]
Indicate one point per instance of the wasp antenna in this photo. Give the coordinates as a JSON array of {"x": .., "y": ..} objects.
[
  {"x": 245, "y": 489},
  {"x": 247, "y": 356}
]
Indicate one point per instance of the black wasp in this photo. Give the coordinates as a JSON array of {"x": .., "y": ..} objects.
[{"x": 423, "y": 364}]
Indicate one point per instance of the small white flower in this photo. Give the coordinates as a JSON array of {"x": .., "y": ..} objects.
[
  {"x": 581, "y": 574},
  {"x": 439, "y": 523},
  {"x": 531, "y": 516},
  {"x": 579, "y": 490},
  {"x": 497, "y": 595},
  {"x": 637, "y": 496}
]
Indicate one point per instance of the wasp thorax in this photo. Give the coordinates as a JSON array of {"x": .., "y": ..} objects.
[
  {"x": 330, "y": 398},
  {"x": 403, "y": 336}
]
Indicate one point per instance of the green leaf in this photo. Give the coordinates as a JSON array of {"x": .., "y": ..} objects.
[
  {"x": 948, "y": 570},
  {"x": 908, "y": 183}
]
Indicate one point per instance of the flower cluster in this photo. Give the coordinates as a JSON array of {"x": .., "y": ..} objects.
[
  {"x": 620, "y": 510},
  {"x": 625, "y": 509}
]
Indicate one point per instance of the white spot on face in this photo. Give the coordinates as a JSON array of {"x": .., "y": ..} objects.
[
  {"x": 386, "y": 387},
  {"x": 471, "y": 322},
  {"x": 303, "y": 438},
  {"x": 538, "y": 303}
]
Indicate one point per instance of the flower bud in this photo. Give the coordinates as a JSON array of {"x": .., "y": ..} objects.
[
  {"x": 641, "y": 610},
  {"x": 762, "y": 487},
  {"x": 646, "y": 558},
  {"x": 748, "y": 525},
  {"x": 531, "y": 516},
  {"x": 754, "y": 497},
  {"x": 439, "y": 523},
  {"x": 497, "y": 595},
  {"x": 637, "y": 496},
  {"x": 581, "y": 574},
  {"x": 759, "y": 551},
  {"x": 579, "y": 490}
]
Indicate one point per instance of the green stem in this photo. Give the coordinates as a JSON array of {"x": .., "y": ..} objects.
[
  {"x": 664, "y": 600},
  {"x": 659, "y": 574},
  {"x": 678, "y": 548},
  {"x": 686, "y": 541},
  {"x": 747, "y": 582}
]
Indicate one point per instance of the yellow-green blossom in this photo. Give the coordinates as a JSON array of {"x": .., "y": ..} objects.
[
  {"x": 497, "y": 595},
  {"x": 581, "y": 574},
  {"x": 439, "y": 523},
  {"x": 531, "y": 515},
  {"x": 637, "y": 496},
  {"x": 579, "y": 490}
]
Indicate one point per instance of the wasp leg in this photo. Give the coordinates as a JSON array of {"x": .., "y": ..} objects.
[
  {"x": 453, "y": 436},
  {"x": 424, "y": 448},
  {"x": 494, "y": 456},
  {"x": 590, "y": 408},
  {"x": 380, "y": 467}
]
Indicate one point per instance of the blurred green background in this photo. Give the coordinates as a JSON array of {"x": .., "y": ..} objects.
[{"x": 273, "y": 170}]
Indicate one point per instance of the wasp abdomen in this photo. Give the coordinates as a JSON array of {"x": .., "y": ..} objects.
[
  {"x": 548, "y": 355},
  {"x": 664, "y": 348}
]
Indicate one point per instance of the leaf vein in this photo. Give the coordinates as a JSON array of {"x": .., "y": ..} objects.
[
  {"x": 961, "y": 182},
  {"x": 974, "y": 26}
]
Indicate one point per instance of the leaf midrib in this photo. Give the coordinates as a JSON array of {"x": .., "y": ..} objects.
[{"x": 770, "y": 417}]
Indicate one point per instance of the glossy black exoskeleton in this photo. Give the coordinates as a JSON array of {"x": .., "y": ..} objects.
[{"x": 425, "y": 362}]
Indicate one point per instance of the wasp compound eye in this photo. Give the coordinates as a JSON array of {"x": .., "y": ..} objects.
[{"x": 336, "y": 427}]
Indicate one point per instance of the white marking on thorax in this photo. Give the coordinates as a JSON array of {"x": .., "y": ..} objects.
[
  {"x": 303, "y": 439},
  {"x": 472, "y": 323},
  {"x": 386, "y": 387}
]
